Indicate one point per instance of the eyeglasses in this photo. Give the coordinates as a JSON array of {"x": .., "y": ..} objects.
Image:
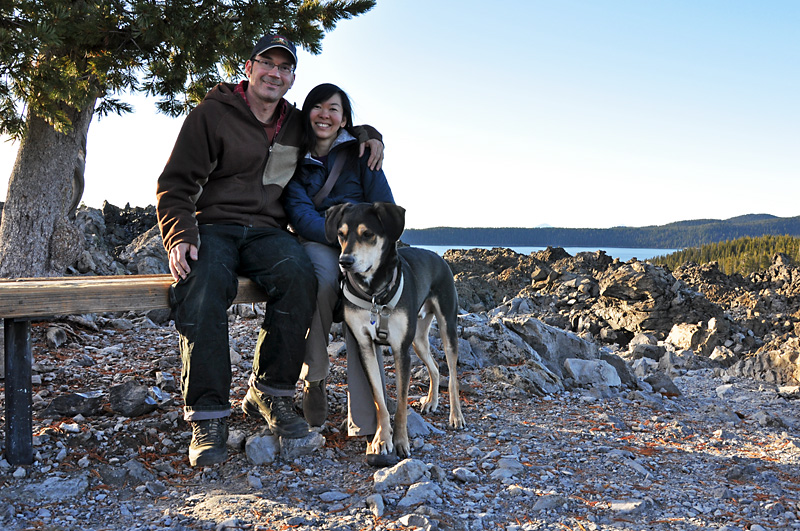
[{"x": 284, "y": 68}]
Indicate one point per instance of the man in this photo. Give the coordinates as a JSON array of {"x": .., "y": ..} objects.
[{"x": 219, "y": 212}]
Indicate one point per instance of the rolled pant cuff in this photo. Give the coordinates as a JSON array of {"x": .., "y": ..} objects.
[
  {"x": 193, "y": 415},
  {"x": 268, "y": 389}
]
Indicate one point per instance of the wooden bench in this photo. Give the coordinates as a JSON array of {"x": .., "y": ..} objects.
[{"x": 26, "y": 299}]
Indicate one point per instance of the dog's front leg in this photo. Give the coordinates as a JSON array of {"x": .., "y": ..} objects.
[
  {"x": 382, "y": 441},
  {"x": 402, "y": 364}
]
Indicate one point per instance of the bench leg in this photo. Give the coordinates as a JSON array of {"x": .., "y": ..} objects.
[{"x": 19, "y": 419}]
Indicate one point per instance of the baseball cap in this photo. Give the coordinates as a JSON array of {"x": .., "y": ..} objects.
[{"x": 267, "y": 42}]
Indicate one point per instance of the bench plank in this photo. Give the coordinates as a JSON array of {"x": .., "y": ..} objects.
[{"x": 43, "y": 297}]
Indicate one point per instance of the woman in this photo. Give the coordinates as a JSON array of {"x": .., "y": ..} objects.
[{"x": 327, "y": 119}]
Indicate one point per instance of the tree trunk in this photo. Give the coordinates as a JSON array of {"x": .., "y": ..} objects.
[{"x": 37, "y": 238}]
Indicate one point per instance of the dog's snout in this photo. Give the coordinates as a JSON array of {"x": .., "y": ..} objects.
[{"x": 346, "y": 261}]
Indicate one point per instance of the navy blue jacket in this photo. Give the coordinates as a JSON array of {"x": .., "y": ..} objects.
[{"x": 356, "y": 184}]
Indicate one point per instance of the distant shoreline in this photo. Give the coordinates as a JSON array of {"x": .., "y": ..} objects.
[
  {"x": 678, "y": 235},
  {"x": 623, "y": 253}
]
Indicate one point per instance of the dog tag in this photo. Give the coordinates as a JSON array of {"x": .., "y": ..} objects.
[{"x": 373, "y": 314}]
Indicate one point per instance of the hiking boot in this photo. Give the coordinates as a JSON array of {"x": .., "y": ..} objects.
[
  {"x": 209, "y": 442},
  {"x": 278, "y": 411},
  {"x": 315, "y": 402}
]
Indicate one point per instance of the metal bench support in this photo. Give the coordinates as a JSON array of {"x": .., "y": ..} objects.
[{"x": 19, "y": 418}]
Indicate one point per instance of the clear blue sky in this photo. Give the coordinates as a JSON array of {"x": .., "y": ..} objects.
[{"x": 522, "y": 113}]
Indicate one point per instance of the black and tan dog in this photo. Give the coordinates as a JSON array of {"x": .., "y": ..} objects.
[{"x": 391, "y": 297}]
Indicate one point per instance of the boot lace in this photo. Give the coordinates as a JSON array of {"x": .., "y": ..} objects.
[
  {"x": 208, "y": 431},
  {"x": 282, "y": 409}
]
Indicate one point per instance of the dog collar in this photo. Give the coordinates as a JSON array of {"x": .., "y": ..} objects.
[{"x": 378, "y": 313}]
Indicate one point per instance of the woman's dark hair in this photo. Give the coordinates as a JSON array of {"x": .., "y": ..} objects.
[{"x": 319, "y": 94}]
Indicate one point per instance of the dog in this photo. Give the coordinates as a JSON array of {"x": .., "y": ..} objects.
[{"x": 390, "y": 298}]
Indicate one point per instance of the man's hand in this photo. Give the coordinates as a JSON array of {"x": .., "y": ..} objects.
[
  {"x": 178, "y": 265},
  {"x": 375, "y": 146}
]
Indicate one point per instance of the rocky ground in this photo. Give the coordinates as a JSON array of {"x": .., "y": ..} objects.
[
  {"x": 725, "y": 454},
  {"x": 598, "y": 395}
]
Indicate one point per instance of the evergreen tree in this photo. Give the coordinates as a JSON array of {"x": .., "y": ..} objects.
[
  {"x": 62, "y": 61},
  {"x": 744, "y": 255}
]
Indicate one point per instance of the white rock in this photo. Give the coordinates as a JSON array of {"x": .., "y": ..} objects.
[
  {"x": 71, "y": 427},
  {"x": 725, "y": 391},
  {"x": 405, "y": 472},
  {"x": 465, "y": 475},
  {"x": 376, "y": 505},
  {"x": 292, "y": 448},
  {"x": 415, "y": 521},
  {"x": 423, "y": 492},
  {"x": 592, "y": 372},
  {"x": 262, "y": 449},
  {"x": 628, "y": 506},
  {"x": 550, "y": 501},
  {"x": 332, "y": 496}
]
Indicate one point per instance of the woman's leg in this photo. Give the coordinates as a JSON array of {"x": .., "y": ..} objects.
[
  {"x": 316, "y": 364},
  {"x": 325, "y": 259}
]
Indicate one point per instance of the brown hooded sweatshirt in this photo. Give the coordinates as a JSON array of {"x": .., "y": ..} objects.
[{"x": 223, "y": 169}]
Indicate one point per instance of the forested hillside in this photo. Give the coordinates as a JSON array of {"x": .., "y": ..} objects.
[
  {"x": 678, "y": 235},
  {"x": 743, "y": 255}
]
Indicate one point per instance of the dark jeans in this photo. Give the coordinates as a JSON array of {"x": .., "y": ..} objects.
[{"x": 277, "y": 262}]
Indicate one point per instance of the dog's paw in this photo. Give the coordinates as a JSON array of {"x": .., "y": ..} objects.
[
  {"x": 380, "y": 446},
  {"x": 457, "y": 420},
  {"x": 402, "y": 448},
  {"x": 428, "y": 405}
]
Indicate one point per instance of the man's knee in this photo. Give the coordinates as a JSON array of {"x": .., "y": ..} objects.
[{"x": 293, "y": 276}]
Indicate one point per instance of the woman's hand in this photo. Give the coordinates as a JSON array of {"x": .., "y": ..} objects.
[{"x": 375, "y": 146}]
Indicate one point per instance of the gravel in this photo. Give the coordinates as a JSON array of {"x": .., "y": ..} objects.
[{"x": 714, "y": 457}]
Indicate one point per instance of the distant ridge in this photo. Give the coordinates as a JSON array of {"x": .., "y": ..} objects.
[{"x": 676, "y": 235}]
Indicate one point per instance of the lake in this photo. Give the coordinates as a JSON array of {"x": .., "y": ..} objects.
[{"x": 623, "y": 253}]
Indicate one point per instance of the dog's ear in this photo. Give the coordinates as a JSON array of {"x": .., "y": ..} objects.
[
  {"x": 332, "y": 218},
  {"x": 393, "y": 218}
]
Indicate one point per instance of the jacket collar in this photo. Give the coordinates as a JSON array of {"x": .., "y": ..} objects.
[{"x": 343, "y": 138}]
